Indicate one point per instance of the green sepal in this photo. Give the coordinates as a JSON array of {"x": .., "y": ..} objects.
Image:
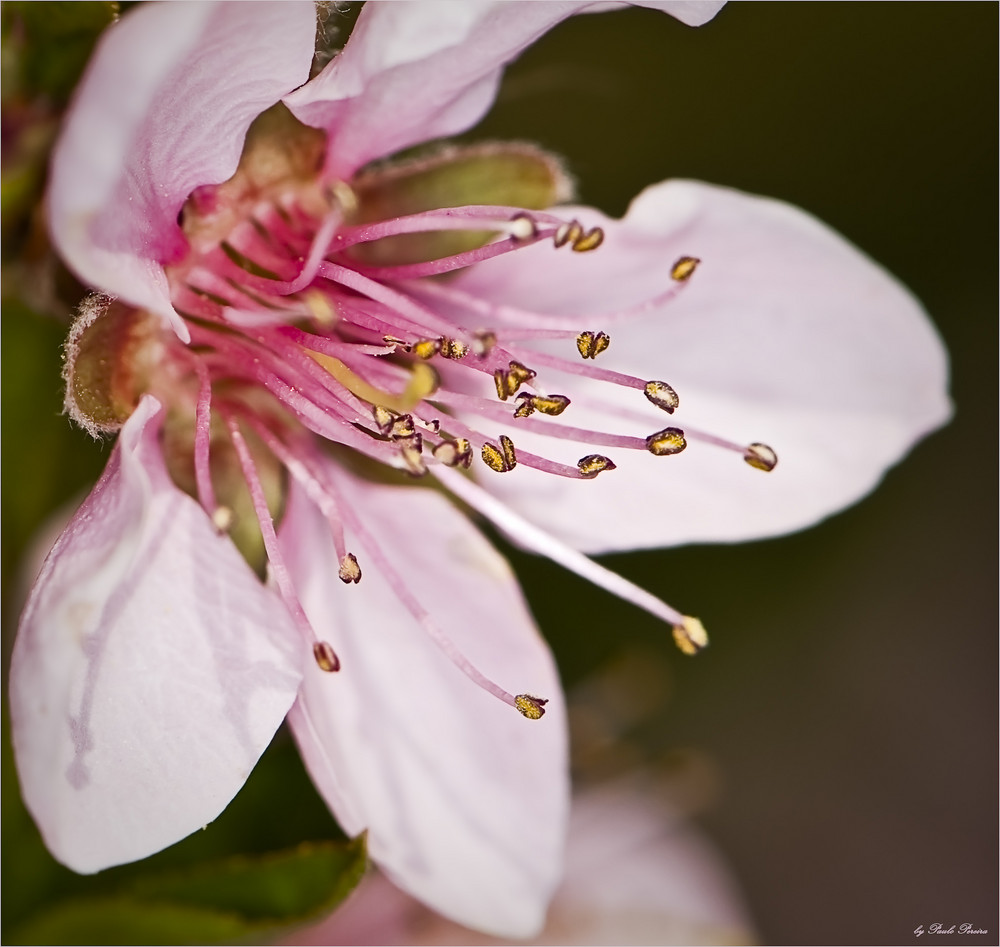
[
  {"x": 221, "y": 901},
  {"x": 513, "y": 175}
]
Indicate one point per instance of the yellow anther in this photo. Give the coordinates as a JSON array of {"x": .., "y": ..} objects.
[
  {"x": 384, "y": 418},
  {"x": 523, "y": 227},
  {"x": 591, "y": 344},
  {"x": 683, "y": 268},
  {"x": 517, "y": 375},
  {"x": 326, "y": 657},
  {"x": 453, "y": 348},
  {"x": 402, "y": 427},
  {"x": 413, "y": 461},
  {"x": 532, "y": 707},
  {"x": 500, "y": 380},
  {"x": 509, "y": 455},
  {"x": 690, "y": 636},
  {"x": 454, "y": 453},
  {"x": 591, "y": 240},
  {"x": 502, "y": 458},
  {"x": 552, "y": 405},
  {"x": 670, "y": 440},
  {"x": 394, "y": 340},
  {"x": 761, "y": 456},
  {"x": 591, "y": 465},
  {"x": 662, "y": 395},
  {"x": 567, "y": 233},
  {"x": 426, "y": 348},
  {"x": 349, "y": 570},
  {"x": 483, "y": 342}
]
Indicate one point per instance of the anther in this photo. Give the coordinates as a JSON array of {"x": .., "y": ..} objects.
[
  {"x": 483, "y": 342},
  {"x": 670, "y": 440},
  {"x": 410, "y": 452},
  {"x": 552, "y": 405},
  {"x": 567, "y": 233},
  {"x": 683, "y": 268},
  {"x": 502, "y": 458},
  {"x": 384, "y": 418},
  {"x": 761, "y": 456},
  {"x": 326, "y": 657},
  {"x": 223, "y": 519},
  {"x": 349, "y": 570},
  {"x": 509, "y": 381},
  {"x": 454, "y": 453},
  {"x": 591, "y": 344},
  {"x": 591, "y": 240},
  {"x": 531, "y": 707},
  {"x": 662, "y": 395},
  {"x": 453, "y": 348},
  {"x": 523, "y": 227},
  {"x": 426, "y": 348},
  {"x": 591, "y": 465},
  {"x": 402, "y": 427},
  {"x": 690, "y": 636}
]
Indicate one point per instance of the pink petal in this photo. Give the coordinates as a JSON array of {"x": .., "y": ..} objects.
[
  {"x": 163, "y": 108},
  {"x": 464, "y": 800},
  {"x": 150, "y": 670},
  {"x": 786, "y": 335},
  {"x": 413, "y": 72}
]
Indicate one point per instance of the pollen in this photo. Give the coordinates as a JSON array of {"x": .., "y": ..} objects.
[
  {"x": 591, "y": 344},
  {"x": 326, "y": 657},
  {"x": 662, "y": 395},
  {"x": 531, "y": 707},
  {"x": 591, "y": 240},
  {"x": 502, "y": 458},
  {"x": 593, "y": 464},
  {"x": 690, "y": 636},
  {"x": 552, "y": 405},
  {"x": 761, "y": 457},
  {"x": 453, "y": 348},
  {"x": 681, "y": 271},
  {"x": 426, "y": 348},
  {"x": 509, "y": 380},
  {"x": 349, "y": 570},
  {"x": 670, "y": 440}
]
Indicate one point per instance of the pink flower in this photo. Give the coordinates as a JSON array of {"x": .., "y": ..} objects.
[{"x": 266, "y": 309}]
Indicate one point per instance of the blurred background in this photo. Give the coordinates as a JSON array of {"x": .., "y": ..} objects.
[{"x": 838, "y": 741}]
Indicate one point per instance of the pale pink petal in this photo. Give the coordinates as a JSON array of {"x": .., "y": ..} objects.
[
  {"x": 464, "y": 800},
  {"x": 164, "y": 107},
  {"x": 150, "y": 670},
  {"x": 413, "y": 72},
  {"x": 786, "y": 335}
]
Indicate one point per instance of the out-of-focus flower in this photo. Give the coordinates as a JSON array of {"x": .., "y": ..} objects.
[
  {"x": 271, "y": 292},
  {"x": 637, "y": 872}
]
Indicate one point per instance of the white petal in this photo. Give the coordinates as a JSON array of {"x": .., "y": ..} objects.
[
  {"x": 413, "y": 72},
  {"x": 464, "y": 800},
  {"x": 786, "y": 335},
  {"x": 150, "y": 670},
  {"x": 163, "y": 108}
]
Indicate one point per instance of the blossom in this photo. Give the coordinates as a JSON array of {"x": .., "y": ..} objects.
[{"x": 267, "y": 294}]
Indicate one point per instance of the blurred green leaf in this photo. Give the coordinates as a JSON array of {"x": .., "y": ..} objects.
[{"x": 219, "y": 901}]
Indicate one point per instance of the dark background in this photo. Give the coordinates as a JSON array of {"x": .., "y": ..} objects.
[{"x": 838, "y": 740}]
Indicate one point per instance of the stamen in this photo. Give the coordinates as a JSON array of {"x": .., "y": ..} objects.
[
  {"x": 532, "y": 707},
  {"x": 530, "y": 537},
  {"x": 502, "y": 458},
  {"x": 662, "y": 395},
  {"x": 349, "y": 570},
  {"x": 509, "y": 380},
  {"x": 569, "y": 232},
  {"x": 681, "y": 271},
  {"x": 552, "y": 405},
  {"x": 591, "y": 240},
  {"x": 592, "y": 344},
  {"x": 326, "y": 657},
  {"x": 761, "y": 457},
  {"x": 593, "y": 464},
  {"x": 454, "y": 453},
  {"x": 690, "y": 635},
  {"x": 666, "y": 442}
]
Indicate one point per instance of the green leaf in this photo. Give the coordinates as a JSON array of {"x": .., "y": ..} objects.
[{"x": 222, "y": 901}]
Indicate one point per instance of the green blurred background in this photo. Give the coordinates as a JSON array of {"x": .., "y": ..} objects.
[{"x": 838, "y": 741}]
